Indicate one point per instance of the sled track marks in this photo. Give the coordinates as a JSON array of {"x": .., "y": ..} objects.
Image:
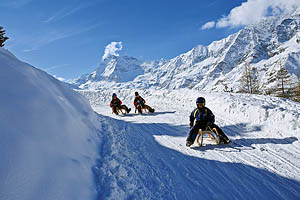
[{"x": 263, "y": 156}]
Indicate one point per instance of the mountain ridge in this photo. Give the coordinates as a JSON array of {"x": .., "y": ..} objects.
[{"x": 216, "y": 67}]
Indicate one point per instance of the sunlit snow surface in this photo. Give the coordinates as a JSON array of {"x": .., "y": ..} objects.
[
  {"x": 48, "y": 136},
  {"x": 144, "y": 156}
]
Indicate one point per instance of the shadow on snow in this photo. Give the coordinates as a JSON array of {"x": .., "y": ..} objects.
[
  {"x": 153, "y": 171},
  {"x": 132, "y": 114}
]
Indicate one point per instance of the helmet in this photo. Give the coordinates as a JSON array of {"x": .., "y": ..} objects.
[
  {"x": 114, "y": 95},
  {"x": 200, "y": 100},
  {"x": 136, "y": 93}
]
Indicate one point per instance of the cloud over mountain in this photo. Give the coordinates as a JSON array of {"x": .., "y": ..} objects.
[
  {"x": 112, "y": 49},
  {"x": 252, "y": 11}
]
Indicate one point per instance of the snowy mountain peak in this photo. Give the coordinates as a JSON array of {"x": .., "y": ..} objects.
[
  {"x": 216, "y": 67},
  {"x": 121, "y": 69},
  {"x": 118, "y": 69}
]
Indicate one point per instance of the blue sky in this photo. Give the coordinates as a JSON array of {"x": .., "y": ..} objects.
[{"x": 67, "y": 38}]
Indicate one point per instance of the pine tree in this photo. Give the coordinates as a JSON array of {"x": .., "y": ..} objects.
[
  {"x": 284, "y": 81},
  {"x": 298, "y": 92},
  {"x": 297, "y": 88},
  {"x": 249, "y": 80},
  {"x": 2, "y": 37}
]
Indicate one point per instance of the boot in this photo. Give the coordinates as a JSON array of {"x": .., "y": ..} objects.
[{"x": 188, "y": 143}]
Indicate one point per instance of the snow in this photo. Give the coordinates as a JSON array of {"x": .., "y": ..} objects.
[
  {"x": 49, "y": 141},
  {"x": 144, "y": 156},
  {"x": 54, "y": 146},
  {"x": 216, "y": 67}
]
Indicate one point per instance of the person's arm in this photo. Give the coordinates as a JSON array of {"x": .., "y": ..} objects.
[
  {"x": 211, "y": 117},
  {"x": 192, "y": 119}
]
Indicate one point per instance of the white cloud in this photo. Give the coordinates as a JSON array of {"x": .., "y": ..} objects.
[
  {"x": 252, "y": 11},
  {"x": 112, "y": 49},
  {"x": 208, "y": 25}
]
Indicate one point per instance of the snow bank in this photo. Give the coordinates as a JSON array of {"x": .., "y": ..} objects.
[{"x": 48, "y": 141}]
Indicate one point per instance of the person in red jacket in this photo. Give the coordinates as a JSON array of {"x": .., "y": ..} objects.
[
  {"x": 140, "y": 104},
  {"x": 116, "y": 105}
]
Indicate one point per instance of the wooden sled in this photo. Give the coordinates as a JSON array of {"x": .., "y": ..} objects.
[
  {"x": 120, "y": 110},
  {"x": 145, "y": 109},
  {"x": 212, "y": 134}
]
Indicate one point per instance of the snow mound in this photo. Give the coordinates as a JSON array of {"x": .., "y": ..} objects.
[{"x": 48, "y": 142}]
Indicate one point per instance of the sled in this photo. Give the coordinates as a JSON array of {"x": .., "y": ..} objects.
[
  {"x": 145, "y": 109},
  {"x": 211, "y": 134},
  {"x": 120, "y": 110}
]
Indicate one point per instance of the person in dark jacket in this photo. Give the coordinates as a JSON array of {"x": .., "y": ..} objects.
[
  {"x": 140, "y": 104},
  {"x": 116, "y": 104},
  {"x": 204, "y": 119}
]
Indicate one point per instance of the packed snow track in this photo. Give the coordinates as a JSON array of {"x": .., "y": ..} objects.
[{"x": 145, "y": 157}]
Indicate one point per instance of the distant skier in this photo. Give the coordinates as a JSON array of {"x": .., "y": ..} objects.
[
  {"x": 204, "y": 120},
  {"x": 139, "y": 104},
  {"x": 116, "y": 105}
]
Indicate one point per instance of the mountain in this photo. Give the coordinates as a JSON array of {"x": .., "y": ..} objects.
[
  {"x": 53, "y": 146},
  {"x": 216, "y": 67},
  {"x": 113, "y": 69},
  {"x": 48, "y": 142}
]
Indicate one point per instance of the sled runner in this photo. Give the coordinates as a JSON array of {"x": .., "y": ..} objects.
[{"x": 212, "y": 134}]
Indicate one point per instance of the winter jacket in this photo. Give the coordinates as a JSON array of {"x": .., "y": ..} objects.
[
  {"x": 202, "y": 115},
  {"x": 139, "y": 101},
  {"x": 115, "y": 102}
]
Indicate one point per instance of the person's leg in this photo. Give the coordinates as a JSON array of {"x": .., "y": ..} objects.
[
  {"x": 222, "y": 135},
  {"x": 115, "y": 110},
  {"x": 192, "y": 134},
  {"x": 139, "y": 108}
]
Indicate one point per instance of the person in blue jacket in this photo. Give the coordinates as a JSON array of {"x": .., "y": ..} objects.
[{"x": 205, "y": 119}]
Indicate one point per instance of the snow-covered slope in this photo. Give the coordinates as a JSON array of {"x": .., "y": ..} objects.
[
  {"x": 216, "y": 67},
  {"x": 48, "y": 139},
  {"x": 144, "y": 156}
]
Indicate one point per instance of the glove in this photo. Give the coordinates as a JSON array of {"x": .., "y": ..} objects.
[{"x": 191, "y": 124}]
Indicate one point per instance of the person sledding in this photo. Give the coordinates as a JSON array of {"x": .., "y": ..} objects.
[
  {"x": 205, "y": 121},
  {"x": 117, "y": 107},
  {"x": 140, "y": 104}
]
